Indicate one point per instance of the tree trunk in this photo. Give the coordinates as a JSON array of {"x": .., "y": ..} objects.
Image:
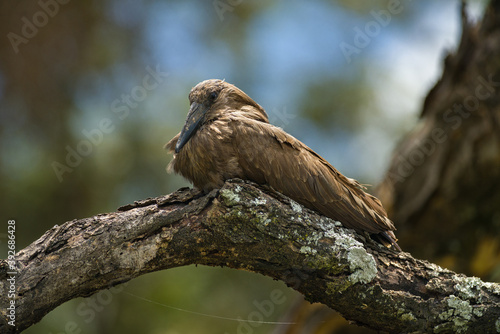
[{"x": 442, "y": 187}]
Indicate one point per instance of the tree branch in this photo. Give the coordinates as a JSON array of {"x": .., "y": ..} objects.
[{"x": 244, "y": 226}]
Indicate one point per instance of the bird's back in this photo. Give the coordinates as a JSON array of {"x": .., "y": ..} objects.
[{"x": 268, "y": 155}]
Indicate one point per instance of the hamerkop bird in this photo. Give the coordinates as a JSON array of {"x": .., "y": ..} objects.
[{"x": 228, "y": 135}]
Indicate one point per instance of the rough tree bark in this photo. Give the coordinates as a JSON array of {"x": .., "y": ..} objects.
[{"x": 244, "y": 226}]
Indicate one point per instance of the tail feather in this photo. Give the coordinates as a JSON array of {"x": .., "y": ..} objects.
[{"x": 388, "y": 239}]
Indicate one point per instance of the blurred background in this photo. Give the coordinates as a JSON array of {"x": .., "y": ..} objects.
[{"x": 90, "y": 91}]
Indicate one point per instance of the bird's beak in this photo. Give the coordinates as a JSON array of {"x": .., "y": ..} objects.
[{"x": 193, "y": 122}]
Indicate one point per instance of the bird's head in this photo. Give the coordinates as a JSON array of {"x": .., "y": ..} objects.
[{"x": 212, "y": 99}]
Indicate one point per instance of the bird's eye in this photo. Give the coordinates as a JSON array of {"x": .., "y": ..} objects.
[{"x": 213, "y": 95}]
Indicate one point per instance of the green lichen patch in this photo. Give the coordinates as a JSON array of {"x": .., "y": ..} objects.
[
  {"x": 307, "y": 250},
  {"x": 474, "y": 289},
  {"x": 408, "y": 316},
  {"x": 457, "y": 316},
  {"x": 362, "y": 265},
  {"x": 478, "y": 311},
  {"x": 260, "y": 219},
  {"x": 308, "y": 238},
  {"x": 405, "y": 315},
  {"x": 258, "y": 201},
  {"x": 230, "y": 197},
  {"x": 319, "y": 260},
  {"x": 338, "y": 286},
  {"x": 296, "y": 207},
  {"x": 468, "y": 287}
]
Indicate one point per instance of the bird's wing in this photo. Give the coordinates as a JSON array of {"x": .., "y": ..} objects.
[
  {"x": 170, "y": 146},
  {"x": 268, "y": 155}
]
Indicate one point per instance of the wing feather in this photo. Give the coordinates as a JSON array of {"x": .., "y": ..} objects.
[{"x": 269, "y": 155}]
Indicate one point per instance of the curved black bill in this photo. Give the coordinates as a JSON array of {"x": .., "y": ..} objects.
[{"x": 193, "y": 122}]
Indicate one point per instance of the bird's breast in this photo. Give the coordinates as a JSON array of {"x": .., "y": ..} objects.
[{"x": 209, "y": 157}]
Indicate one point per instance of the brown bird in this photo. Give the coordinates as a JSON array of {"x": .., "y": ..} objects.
[{"x": 228, "y": 135}]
